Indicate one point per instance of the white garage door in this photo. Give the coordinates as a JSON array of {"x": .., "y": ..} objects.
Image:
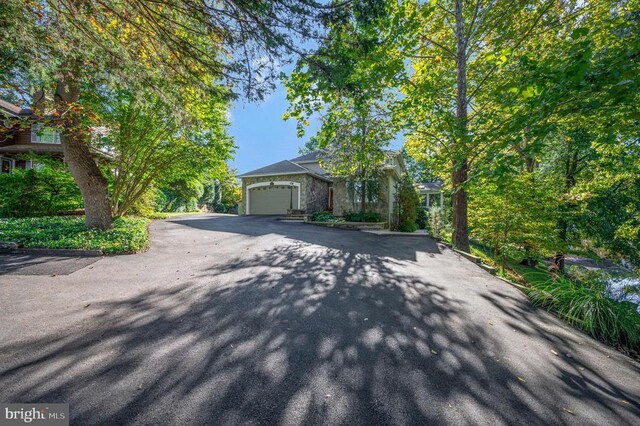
[{"x": 274, "y": 199}]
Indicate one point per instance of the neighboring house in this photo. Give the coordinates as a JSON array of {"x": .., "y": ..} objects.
[
  {"x": 302, "y": 184},
  {"x": 431, "y": 194},
  {"x": 22, "y": 134}
]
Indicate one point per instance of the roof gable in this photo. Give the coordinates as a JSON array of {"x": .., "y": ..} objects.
[
  {"x": 281, "y": 167},
  {"x": 308, "y": 158}
]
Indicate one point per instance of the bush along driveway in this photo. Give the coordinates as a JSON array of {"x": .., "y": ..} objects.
[
  {"x": 129, "y": 234},
  {"x": 247, "y": 320}
]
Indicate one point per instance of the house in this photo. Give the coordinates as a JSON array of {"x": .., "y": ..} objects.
[
  {"x": 431, "y": 194},
  {"x": 20, "y": 134},
  {"x": 302, "y": 184}
]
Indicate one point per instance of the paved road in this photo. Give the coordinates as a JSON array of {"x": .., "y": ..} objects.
[{"x": 235, "y": 320}]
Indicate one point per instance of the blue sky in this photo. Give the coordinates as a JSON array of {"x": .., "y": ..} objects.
[{"x": 260, "y": 133}]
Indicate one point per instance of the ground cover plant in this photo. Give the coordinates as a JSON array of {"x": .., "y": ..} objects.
[{"x": 129, "y": 234}]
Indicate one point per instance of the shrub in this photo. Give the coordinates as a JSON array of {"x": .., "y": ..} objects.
[
  {"x": 63, "y": 232},
  {"x": 43, "y": 191},
  {"x": 180, "y": 196},
  {"x": 362, "y": 217},
  {"x": 408, "y": 201},
  {"x": 146, "y": 203},
  {"x": 422, "y": 218},
  {"x": 324, "y": 216},
  {"x": 588, "y": 305},
  {"x": 436, "y": 223}
]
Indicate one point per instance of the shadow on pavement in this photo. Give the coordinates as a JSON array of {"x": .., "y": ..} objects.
[
  {"x": 398, "y": 247},
  {"x": 35, "y": 264},
  {"x": 308, "y": 336}
]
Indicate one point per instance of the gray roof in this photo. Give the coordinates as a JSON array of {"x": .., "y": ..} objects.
[
  {"x": 430, "y": 186},
  {"x": 279, "y": 168},
  {"x": 310, "y": 157}
]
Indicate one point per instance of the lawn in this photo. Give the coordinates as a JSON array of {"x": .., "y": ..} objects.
[
  {"x": 129, "y": 235},
  {"x": 167, "y": 215}
]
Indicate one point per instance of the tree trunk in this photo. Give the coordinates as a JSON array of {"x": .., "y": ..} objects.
[
  {"x": 459, "y": 200},
  {"x": 571, "y": 167},
  {"x": 461, "y": 166},
  {"x": 363, "y": 196},
  {"x": 85, "y": 171}
]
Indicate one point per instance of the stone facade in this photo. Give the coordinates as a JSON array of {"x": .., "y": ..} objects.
[
  {"x": 343, "y": 201},
  {"x": 317, "y": 194},
  {"x": 314, "y": 192}
]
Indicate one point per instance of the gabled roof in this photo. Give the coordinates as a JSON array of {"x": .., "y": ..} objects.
[
  {"x": 308, "y": 158},
  {"x": 11, "y": 110},
  {"x": 430, "y": 186},
  {"x": 279, "y": 168}
]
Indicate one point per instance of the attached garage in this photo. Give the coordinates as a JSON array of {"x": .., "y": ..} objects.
[{"x": 272, "y": 197}]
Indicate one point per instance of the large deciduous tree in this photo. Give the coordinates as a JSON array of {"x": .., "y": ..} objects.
[
  {"x": 460, "y": 51},
  {"x": 347, "y": 81},
  {"x": 67, "y": 47},
  {"x": 154, "y": 145}
]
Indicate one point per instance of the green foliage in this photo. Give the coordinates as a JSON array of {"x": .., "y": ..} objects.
[
  {"x": 341, "y": 81},
  {"x": 514, "y": 215},
  {"x": 311, "y": 145},
  {"x": 125, "y": 44},
  {"x": 231, "y": 193},
  {"x": 588, "y": 306},
  {"x": 129, "y": 235},
  {"x": 422, "y": 218},
  {"x": 167, "y": 215},
  {"x": 408, "y": 201},
  {"x": 437, "y": 223},
  {"x": 156, "y": 146},
  {"x": 181, "y": 196},
  {"x": 48, "y": 189},
  {"x": 146, "y": 204},
  {"x": 324, "y": 216},
  {"x": 362, "y": 217}
]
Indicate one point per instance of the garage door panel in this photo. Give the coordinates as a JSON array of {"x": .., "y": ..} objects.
[{"x": 271, "y": 199}]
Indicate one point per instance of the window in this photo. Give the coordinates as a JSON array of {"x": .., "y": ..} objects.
[
  {"x": 372, "y": 188},
  {"x": 7, "y": 165},
  {"x": 357, "y": 192},
  {"x": 43, "y": 134},
  {"x": 433, "y": 200}
]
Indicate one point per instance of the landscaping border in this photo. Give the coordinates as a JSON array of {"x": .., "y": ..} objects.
[
  {"x": 352, "y": 226},
  {"x": 53, "y": 252}
]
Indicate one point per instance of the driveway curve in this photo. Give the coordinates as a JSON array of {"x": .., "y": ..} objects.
[{"x": 247, "y": 320}]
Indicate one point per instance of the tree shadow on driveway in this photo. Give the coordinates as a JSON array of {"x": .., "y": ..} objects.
[
  {"x": 299, "y": 334},
  {"x": 37, "y": 264},
  {"x": 347, "y": 241}
]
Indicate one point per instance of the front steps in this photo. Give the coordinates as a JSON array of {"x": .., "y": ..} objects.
[{"x": 295, "y": 216}]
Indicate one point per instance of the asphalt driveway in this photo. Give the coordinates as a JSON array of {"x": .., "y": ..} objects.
[{"x": 247, "y": 320}]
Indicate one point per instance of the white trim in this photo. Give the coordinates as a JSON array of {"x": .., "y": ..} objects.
[
  {"x": 272, "y": 183},
  {"x": 36, "y": 134}
]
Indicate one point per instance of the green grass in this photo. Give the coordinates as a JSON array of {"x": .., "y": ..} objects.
[
  {"x": 528, "y": 274},
  {"x": 129, "y": 234},
  {"x": 514, "y": 270},
  {"x": 167, "y": 215},
  {"x": 586, "y": 305}
]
